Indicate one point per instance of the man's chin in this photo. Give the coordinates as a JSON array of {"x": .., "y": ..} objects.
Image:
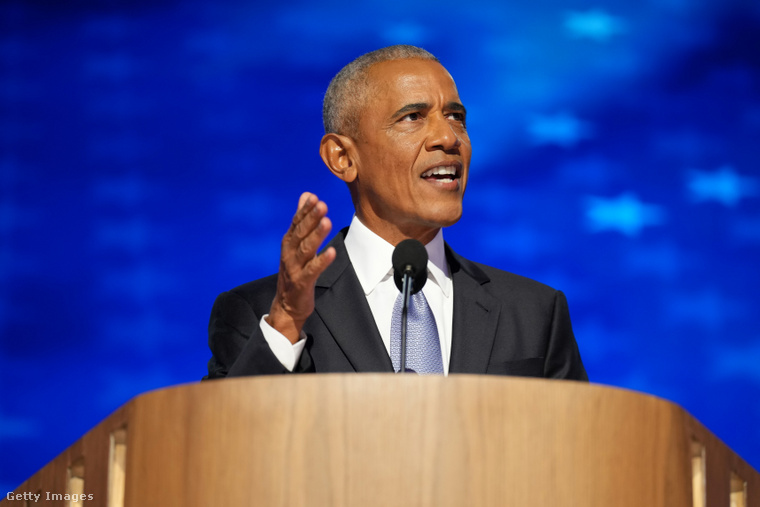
[
  {"x": 447, "y": 218},
  {"x": 451, "y": 222}
]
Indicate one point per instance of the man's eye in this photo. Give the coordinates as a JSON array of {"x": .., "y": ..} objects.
[
  {"x": 411, "y": 117},
  {"x": 457, "y": 117}
]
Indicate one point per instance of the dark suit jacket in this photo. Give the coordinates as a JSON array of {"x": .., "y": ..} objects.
[{"x": 503, "y": 324}]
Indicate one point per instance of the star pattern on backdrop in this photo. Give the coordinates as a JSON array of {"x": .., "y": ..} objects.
[
  {"x": 593, "y": 24},
  {"x": 560, "y": 129},
  {"x": 723, "y": 185},
  {"x": 415, "y": 33},
  {"x": 626, "y": 214}
]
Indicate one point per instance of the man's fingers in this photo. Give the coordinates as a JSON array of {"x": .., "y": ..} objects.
[
  {"x": 306, "y": 219},
  {"x": 300, "y": 266},
  {"x": 318, "y": 264},
  {"x": 307, "y": 248},
  {"x": 309, "y": 222},
  {"x": 302, "y": 200},
  {"x": 308, "y": 230},
  {"x": 305, "y": 205}
]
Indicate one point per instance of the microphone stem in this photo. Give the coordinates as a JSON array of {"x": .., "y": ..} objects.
[{"x": 406, "y": 290}]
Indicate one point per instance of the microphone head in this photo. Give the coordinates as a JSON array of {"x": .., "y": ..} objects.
[{"x": 410, "y": 255}]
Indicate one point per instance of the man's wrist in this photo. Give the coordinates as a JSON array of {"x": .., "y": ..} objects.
[{"x": 285, "y": 325}]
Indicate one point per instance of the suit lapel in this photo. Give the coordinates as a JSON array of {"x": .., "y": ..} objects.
[
  {"x": 343, "y": 308},
  {"x": 476, "y": 314}
]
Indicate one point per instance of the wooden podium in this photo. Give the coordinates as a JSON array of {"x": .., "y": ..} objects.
[{"x": 384, "y": 439}]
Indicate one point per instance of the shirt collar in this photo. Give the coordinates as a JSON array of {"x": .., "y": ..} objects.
[{"x": 371, "y": 257}]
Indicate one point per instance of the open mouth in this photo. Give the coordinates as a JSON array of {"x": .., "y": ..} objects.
[{"x": 443, "y": 173}]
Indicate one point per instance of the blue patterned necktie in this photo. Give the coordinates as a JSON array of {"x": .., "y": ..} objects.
[{"x": 423, "y": 347}]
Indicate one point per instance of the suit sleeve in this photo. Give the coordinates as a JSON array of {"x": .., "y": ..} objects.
[
  {"x": 237, "y": 343},
  {"x": 563, "y": 359}
]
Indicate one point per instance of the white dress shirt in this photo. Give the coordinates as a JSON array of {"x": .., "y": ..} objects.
[{"x": 370, "y": 256}]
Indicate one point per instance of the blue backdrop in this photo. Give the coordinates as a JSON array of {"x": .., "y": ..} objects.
[{"x": 152, "y": 154}]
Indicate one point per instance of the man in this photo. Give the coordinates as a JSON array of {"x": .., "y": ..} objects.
[{"x": 396, "y": 134}]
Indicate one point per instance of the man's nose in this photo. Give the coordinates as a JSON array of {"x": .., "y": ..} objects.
[{"x": 442, "y": 135}]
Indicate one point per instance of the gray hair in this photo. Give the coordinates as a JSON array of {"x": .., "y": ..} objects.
[{"x": 348, "y": 89}]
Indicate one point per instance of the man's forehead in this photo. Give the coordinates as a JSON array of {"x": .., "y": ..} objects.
[{"x": 410, "y": 79}]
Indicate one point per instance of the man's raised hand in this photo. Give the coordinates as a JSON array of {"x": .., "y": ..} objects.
[{"x": 300, "y": 266}]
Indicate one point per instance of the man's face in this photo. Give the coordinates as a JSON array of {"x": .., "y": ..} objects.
[{"x": 413, "y": 152}]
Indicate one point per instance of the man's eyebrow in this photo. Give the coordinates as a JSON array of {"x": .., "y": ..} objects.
[
  {"x": 409, "y": 108},
  {"x": 456, "y": 106},
  {"x": 417, "y": 106}
]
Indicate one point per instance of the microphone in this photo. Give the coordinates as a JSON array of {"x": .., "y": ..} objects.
[
  {"x": 410, "y": 258},
  {"x": 410, "y": 274}
]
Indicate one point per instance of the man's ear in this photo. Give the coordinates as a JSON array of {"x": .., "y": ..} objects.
[{"x": 339, "y": 155}]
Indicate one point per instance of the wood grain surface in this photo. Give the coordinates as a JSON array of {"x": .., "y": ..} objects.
[{"x": 384, "y": 439}]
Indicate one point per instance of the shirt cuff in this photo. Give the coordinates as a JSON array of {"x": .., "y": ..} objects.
[{"x": 287, "y": 353}]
